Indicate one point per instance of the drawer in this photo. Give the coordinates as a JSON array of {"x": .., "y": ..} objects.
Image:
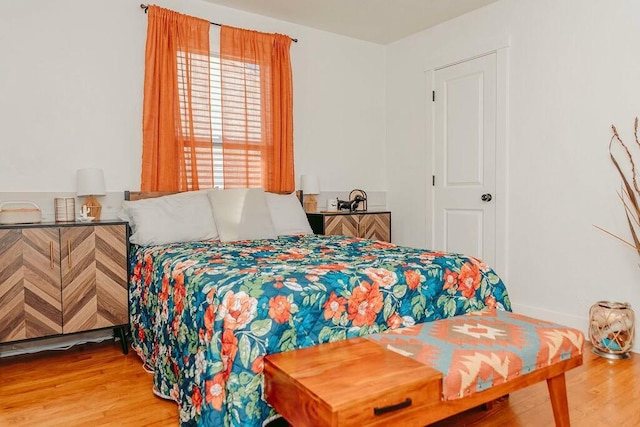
[{"x": 348, "y": 383}]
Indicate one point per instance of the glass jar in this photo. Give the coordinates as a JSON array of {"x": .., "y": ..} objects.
[{"x": 611, "y": 329}]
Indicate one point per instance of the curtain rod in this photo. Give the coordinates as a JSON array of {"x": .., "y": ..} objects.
[{"x": 145, "y": 7}]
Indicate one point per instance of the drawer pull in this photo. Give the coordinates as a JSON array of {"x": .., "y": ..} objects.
[
  {"x": 51, "y": 255},
  {"x": 69, "y": 252},
  {"x": 391, "y": 408}
]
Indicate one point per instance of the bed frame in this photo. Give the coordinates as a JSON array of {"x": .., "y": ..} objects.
[{"x": 305, "y": 359}]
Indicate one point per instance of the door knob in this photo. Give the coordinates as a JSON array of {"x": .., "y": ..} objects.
[{"x": 486, "y": 197}]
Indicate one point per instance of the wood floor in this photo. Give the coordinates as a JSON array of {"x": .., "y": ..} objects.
[{"x": 96, "y": 385}]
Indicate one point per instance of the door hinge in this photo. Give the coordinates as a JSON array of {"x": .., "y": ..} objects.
[
  {"x": 433, "y": 95},
  {"x": 433, "y": 180}
]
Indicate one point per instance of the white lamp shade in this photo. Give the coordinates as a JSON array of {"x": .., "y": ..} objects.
[
  {"x": 309, "y": 184},
  {"x": 90, "y": 182}
]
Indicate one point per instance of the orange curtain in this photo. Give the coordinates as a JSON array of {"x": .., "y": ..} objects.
[
  {"x": 257, "y": 110},
  {"x": 176, "y": 109}
]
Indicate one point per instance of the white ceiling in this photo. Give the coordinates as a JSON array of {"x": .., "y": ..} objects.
[{"x": 378, "y": 21}]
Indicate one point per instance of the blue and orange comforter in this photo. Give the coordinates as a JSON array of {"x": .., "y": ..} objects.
[{"x": 204, "y": 314}]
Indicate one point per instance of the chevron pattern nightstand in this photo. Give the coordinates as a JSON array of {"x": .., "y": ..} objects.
[
  {"x": 368, "y": 225},
  {"x": 62, "y": 278}
]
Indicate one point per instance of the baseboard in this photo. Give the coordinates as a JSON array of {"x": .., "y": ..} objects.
[
  {"x": 55, "y": 343},
  {"x": 578, "y": 322}
]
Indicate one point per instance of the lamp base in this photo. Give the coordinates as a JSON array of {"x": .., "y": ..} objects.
[
  {"x": 310, "y": 203},
  {"x": 94, "y": 207}
]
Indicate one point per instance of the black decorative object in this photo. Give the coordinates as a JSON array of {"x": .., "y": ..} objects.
[
  {"x": 357, "y": 202},
  {"x": 344, "y": 205}
]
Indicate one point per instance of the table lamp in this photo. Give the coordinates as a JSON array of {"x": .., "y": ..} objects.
[
  {"x": 90, "y": 183},
  {"x": 310, "y": 186}
]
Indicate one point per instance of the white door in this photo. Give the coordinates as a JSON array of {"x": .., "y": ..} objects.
[{"x": 465, "y": 158}]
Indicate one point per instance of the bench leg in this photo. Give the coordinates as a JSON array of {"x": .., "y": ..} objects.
[{"x": 558, "y": 394}]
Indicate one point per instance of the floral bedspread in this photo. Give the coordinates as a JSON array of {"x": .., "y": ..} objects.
[{"x": 204, "y": 314}]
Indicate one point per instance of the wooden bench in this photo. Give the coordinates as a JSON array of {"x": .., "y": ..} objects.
[{"x": 398, "y": 378}]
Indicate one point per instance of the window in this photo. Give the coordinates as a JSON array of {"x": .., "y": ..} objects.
[
  {"x": 239, "y": 164},
  {"x": 245, "y": 93},
  {"x": 206, "y": 105},
  {"x": 244, "y": 146}
]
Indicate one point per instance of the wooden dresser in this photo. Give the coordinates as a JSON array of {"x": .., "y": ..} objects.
[
  {"x": 61, "y": 278},
  {"x": 374, "y": 225}
]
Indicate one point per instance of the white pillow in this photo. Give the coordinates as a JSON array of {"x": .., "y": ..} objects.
[
  {"x": 182, "y": 217},
  {"x": 241, "y": 214},
  {"x": 287, "y": 214}
]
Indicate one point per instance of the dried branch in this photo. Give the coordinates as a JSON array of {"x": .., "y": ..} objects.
[
  {"x": 617, "y": 237},
  {"x": 635, "y": 131},
  {"x": 628, "y": 209},
  {"x": 629, "y": 156},
  {"x": 629, "y": 194}
]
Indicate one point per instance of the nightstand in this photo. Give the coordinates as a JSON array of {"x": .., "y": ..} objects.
[
  {"x": 374, "y": 225},
  {"x": 62, "y": 278}
]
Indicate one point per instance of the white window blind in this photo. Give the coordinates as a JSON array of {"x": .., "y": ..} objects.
[
  {"x": 243, "y": 125},
  {"x": 244, "y": 152},
  {"x": 206, "y": 108}
]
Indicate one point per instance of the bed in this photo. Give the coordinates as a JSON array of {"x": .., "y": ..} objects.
[{"x": 204, "y": 313}]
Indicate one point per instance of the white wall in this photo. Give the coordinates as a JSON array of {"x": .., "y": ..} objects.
[
  {"x": 574, "y": 70},
  {"x": 71, "y": 95}
]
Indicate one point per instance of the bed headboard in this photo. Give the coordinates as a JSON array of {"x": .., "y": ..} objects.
[{"x": 139, "y": 195}]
